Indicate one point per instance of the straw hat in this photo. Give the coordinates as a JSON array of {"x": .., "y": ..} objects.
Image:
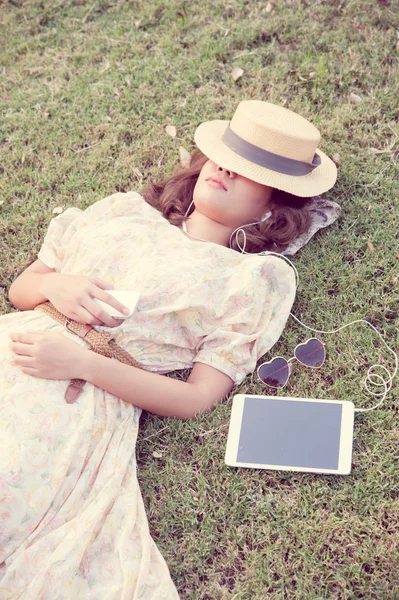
[{"x": 271, "y": 145}]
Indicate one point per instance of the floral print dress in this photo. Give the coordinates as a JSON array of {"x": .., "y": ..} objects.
[{"x": 72, "y": 520}]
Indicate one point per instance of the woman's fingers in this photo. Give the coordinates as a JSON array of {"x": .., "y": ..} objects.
[
  {"x": 23, "y": 346},
  {"x": 108, "y": 299},
  {"x": 104, "y": 285},
  {"x": 21, "y": 349},
  {"x": 99, "y": 313},
  {"x": 25, "y": 337},
  {"x": 85, "y": 316},
  {"x": 24, "y": 361},
  {"x": 92, "y": 314}
]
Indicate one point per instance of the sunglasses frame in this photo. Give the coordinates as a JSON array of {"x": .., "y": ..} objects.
[{"x": 289, "y": 362}]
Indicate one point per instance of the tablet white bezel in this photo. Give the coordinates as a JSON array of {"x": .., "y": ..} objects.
[{"x": 346, "y": 437}]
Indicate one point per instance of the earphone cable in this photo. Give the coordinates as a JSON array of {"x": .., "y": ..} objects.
[
  {"x": 368, "y": 380},
  {"x": 372, "y": 378}
]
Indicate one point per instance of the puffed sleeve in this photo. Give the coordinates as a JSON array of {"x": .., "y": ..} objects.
[
  {"x": 254, "y": 318},
  {"x": 63, "y": 228}
]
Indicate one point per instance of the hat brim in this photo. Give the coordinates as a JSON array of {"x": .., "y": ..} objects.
[{"x": 208, "y": 137}]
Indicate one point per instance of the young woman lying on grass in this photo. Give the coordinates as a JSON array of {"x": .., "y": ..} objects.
[{"x": 72, "y": 523}]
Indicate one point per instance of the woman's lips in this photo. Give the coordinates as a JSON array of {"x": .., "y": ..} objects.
[{"x": 216, "y": 183}]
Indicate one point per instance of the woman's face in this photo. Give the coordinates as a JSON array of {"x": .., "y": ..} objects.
[{"x": 229, "y": 199}]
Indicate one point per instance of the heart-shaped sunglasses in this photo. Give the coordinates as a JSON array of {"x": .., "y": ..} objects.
[{"x": 276, "y": 372}]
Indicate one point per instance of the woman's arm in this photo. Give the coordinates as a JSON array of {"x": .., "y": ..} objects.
[
  {"x": 51, "y": 355},
  {"x": 72, "y": 295},
  {"x": 25, "y": 292},
  {"x": 161, "y": 395}
]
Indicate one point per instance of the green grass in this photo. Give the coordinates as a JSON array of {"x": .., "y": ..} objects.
[{"x": 87, "y": 89}]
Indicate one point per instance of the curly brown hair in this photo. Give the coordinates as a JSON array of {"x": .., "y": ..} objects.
[{"x": 173, "y": 196}]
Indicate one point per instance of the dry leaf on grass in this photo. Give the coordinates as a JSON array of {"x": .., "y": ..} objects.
[
  {"x": 171, "y": 130},
  {"x": 185, "y": 157},
  {"x": 387, "y": 150},
  {"x": 138, "y": 174},
  {"x": 269, "y": 7},
  {"x": 355, "y": 99},
  {"x": 370, "y": 246},
  {"x": 58, "y": 210},
  {"x": 237, "y": 73},
  {"x": 104, "y": 66},
  {"x": 157, "y": 454}
]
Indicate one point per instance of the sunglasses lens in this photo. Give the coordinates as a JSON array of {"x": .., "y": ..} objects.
[
  {"x": 311, "y": 354},
  {"x": 274, "y": 373}
]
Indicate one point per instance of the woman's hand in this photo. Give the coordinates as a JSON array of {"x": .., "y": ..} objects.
[
  {"x": 73, "y": 295},
  {"x": 47, "y": 355}
]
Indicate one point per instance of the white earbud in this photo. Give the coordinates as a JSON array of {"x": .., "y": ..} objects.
[
  {"x": 241, "y": 230},
  {"x": 265, "y": 217}
]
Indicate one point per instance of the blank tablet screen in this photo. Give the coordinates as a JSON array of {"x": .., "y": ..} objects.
[{"x": 284, "y": 432}]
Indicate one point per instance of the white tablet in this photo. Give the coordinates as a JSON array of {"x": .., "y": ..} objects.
[{"x": 290, "y": 434}]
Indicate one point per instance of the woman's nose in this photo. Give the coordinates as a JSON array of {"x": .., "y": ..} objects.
[{"x": 228, "y": 172}]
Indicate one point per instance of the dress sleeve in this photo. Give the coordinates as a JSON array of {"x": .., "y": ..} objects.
[
  {"x": 254, "y": 319},
  {"x": 62, "y": 229}
]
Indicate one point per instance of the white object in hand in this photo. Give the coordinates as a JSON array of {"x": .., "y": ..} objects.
[{"x": 128, "y": 299}]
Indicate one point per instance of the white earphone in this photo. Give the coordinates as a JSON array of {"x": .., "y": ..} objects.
[
  {"x": 265, "y": 217},
  {"x": 240, "y": 229}
]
